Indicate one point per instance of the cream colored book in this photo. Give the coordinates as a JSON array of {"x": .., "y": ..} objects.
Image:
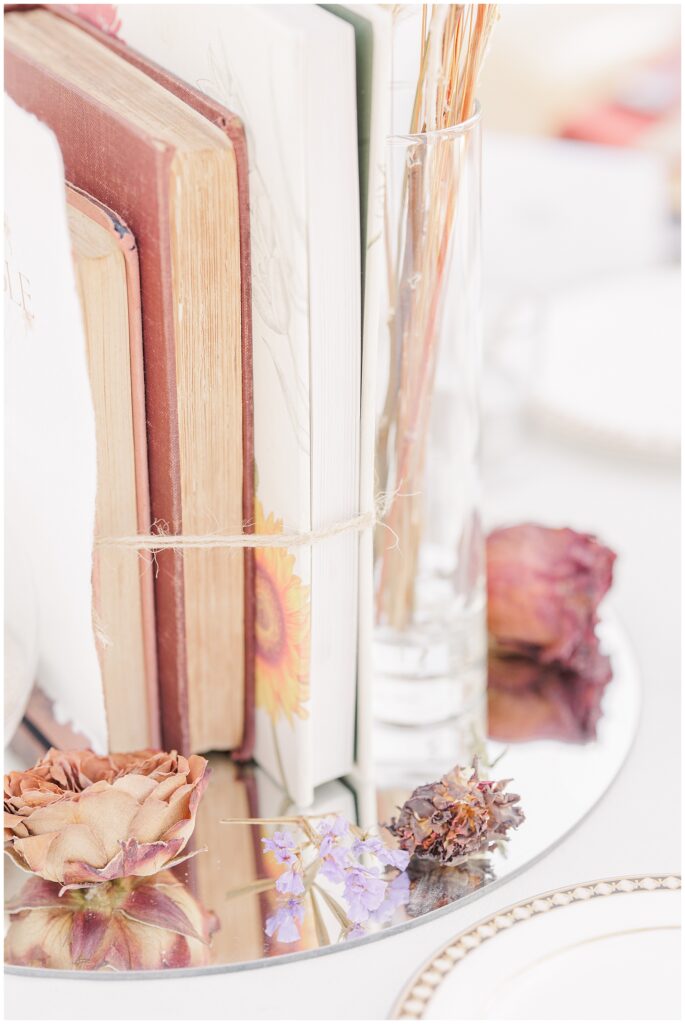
[
  {"x": 106, "y": 262},
  {"x": 50, "y": 444},
  {"x": 231, "y": 861}
]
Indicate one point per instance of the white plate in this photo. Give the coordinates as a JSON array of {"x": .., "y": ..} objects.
[
  {"x": 608, "y": 368},
  {"x": 600, "y": 950}
]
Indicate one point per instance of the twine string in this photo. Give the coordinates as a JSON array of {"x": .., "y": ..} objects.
[{"x": 182, "y": 542}]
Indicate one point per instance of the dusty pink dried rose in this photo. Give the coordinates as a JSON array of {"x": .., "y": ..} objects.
[
  {"x": 131, "y": 924},
  {"x": 544, "y": 586},
  {"x": 434, "y": 886},
  {"x": 529, "y": 701},
  {"x": 456, "y": 817},
  {"x": 79, "y": 819}
]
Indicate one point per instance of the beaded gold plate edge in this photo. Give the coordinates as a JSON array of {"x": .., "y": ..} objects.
[{"x": 417, "y": 994}]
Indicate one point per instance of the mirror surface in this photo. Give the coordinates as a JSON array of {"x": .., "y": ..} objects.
[{"x": 226, "y": 896}]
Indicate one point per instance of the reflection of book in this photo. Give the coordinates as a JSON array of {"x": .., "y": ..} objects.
[
  {"x": 106, "y": 265},
  {"x": 172, "y": 175},
  {"x": 330, "y": 798},
  {"x": 50, "y": 454},
  {"x": 283, "y": 70},
  {"x": 230, "y": 862},
  {"x": 45, "y": 731},
  {"x": 27, "y": 747}
]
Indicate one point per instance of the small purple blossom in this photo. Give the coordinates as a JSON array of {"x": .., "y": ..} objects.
[
  {"x": 283, "y": 847},
  {"x": 336, "y": 828},
  {"x": 396, "y": 895},
  {"x": 396, "y": 858},
  {"x": 385, "y": 854},
  {"x": 284, "y": 923},
  {"x": 290, "y": 881},
  {"x": 334, "y": 863},
  {"x": 364, "y": 892},
  {"x": 327, "y": 845},
  {"x": 369, "y": 844},
  {"x": 338, "y": 852}
]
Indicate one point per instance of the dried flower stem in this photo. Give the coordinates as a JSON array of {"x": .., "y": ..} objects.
[{"x": 453, "y": 42}]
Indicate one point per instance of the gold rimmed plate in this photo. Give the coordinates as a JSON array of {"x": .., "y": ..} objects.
[{"x": 606, "y": 949}]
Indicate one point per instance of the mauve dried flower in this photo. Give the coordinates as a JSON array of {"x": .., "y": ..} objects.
[
  {"x": 529, "y": 701},
  {"x": 433, "y": 886},
  {"x": 131, "y": 924},
  {"x": 79, "y": 819},
  {"x": 458, "y": 816},
  {"x": 544, "y": 586}
]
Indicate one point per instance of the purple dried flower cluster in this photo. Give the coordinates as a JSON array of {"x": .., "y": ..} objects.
[
  {"x": 343, "y": 855},
  {"x": 456, "y": 817}
]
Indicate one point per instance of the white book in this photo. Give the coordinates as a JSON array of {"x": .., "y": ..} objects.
[
  {"x": 289, "y": 73},
  {"x": 50, "y": 454},
  {"x": 373, "y": 28}
]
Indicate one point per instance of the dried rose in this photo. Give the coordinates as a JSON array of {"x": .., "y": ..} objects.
[
  {"x": 529, "y": 701},
  {"x": 544, "y": 586},
  {"x": 556, "y": 705},
  {"x": 433, "y": 886},
  {"x": 131, "y": 924},
  {"x": 456, "y": 817},
  {"x": 79, "y": 819}
]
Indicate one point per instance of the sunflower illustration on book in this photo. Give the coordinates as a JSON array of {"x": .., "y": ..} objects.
[{"x": 281, "y": 628}]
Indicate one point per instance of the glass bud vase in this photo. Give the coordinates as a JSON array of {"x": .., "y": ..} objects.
[{"x": 429, "y": 656}]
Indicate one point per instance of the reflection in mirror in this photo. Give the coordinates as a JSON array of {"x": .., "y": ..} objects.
[
  {"x": 531, "y": 701},
  {"x": 220, "y": 908},
  {"x": 131, "y": 924}
]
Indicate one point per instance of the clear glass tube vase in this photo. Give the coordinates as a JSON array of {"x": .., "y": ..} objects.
[{"x": 429, "y": 564}]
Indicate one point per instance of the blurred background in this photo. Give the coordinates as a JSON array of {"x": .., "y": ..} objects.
[
  {"x": 581, "y": 210},
  {"x": 581, "y": 287}
]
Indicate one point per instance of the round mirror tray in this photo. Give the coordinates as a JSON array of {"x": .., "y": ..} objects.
[{"x": 213, "y": 912}]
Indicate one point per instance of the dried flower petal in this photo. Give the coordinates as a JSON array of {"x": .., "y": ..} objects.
[
  {"x": 79, "y": 819},
  {"x": 283, "y": 847},
  {"x": 290, "y": 882},
  {"x": 529, "y": 701},
  {"x": 458, "y": 816},
  {"x": 284, "y": 924},
  {"x": 130, "y": 924},
  {"x": 384, "y": 854},
  {"x": 544, "y": 586},
  {"x": 396, "y": 895},
  {"x": 434, "y": 886},
  {"x": 364, "y": 892}
]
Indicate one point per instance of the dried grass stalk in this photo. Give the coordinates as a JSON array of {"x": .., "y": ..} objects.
[{"x": 454, "y": 39}]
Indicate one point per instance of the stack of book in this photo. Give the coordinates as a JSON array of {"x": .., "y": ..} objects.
[{"x": 193, "y": 214}]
